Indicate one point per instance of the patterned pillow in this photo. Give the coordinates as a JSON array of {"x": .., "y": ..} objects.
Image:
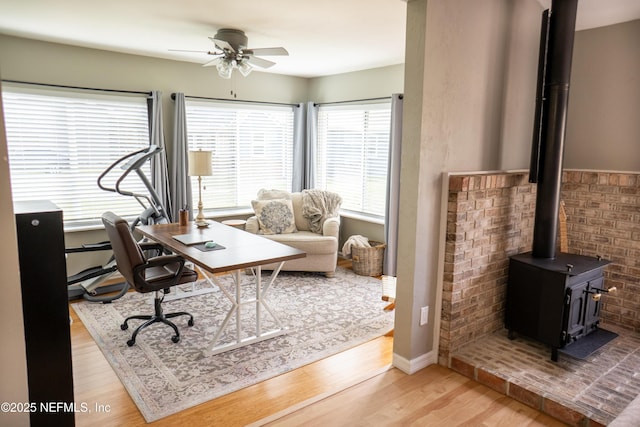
[{"x": 275, "y": 216}]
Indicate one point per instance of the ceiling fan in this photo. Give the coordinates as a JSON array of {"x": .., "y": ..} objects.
[{"x": 233, "y": 53}]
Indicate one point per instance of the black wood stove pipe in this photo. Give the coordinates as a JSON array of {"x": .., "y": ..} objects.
[{"x": 551, "y": 117}]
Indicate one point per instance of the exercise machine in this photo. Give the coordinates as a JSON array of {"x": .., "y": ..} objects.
[{"x": 89, "y": 283}]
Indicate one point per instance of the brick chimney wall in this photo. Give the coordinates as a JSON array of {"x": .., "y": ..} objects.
[{"x": 490, "y": 218}]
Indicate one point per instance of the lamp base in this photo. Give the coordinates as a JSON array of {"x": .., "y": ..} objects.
[{"x": 201, "y": 224}]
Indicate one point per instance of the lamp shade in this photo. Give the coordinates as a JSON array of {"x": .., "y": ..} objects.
[{"x": 199, "y": 163}]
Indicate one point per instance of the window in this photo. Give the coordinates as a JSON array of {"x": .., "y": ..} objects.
[
  {"x": 60, "y": 141},
  {"x": 353, "y": 148},
  {"x": 251, "y": 145}
]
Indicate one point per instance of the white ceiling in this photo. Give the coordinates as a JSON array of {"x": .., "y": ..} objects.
[{"x": 323, "y": 37}]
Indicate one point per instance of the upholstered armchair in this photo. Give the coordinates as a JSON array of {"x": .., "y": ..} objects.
[{"x": 308, "y": 220}]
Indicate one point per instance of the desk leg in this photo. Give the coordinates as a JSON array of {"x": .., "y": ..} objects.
[
  {"x": 179, "y": 293},
  {"x": 259, "y": 301}
]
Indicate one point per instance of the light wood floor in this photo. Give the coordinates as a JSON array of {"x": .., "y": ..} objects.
[{"x": 434, "y": 396}]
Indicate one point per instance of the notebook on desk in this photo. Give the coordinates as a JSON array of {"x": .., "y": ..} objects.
[{"x": 191, "y": 238}]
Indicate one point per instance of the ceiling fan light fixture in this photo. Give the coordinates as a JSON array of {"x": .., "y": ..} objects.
[
  {"x": 225, "y": 68},
  {"x": 233, "y": 53},
  {"x": 245, "y": 68}
]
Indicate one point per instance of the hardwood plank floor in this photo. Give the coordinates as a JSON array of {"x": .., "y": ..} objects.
[{"x": 434, "y": 396}]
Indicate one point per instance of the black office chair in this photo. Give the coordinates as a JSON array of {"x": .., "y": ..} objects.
[{"x": 156, "y": 274}]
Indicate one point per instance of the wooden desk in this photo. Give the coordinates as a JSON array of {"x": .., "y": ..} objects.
[{"x": 242, "y": 250}]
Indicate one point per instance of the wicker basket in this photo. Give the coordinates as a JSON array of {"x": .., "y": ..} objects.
[{"x": 368, "y": 261}]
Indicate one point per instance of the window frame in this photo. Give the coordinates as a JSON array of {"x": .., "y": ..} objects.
[
  {"x": 84, "y": 118},
  {"x": 365, "y": 107},
  {"x": 241, "y": 139}
]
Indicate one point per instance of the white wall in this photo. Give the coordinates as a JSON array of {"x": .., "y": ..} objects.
[{"x": 13, "y": 366}]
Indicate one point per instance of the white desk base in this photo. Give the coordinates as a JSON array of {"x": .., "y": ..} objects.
[
  {"x": 181, "y": 293},
  {"x": 236, "y": 303}
]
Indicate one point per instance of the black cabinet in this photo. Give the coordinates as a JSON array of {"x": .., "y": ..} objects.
[
  {"x": 552, "y": 300},
  {"x": 43, "y": 278}
]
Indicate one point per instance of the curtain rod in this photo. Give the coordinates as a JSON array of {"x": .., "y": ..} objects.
[
  {"x": 354, "y": 100},
  {"x": 173, "y": 96},
  {"x": 78, "y": 87}
]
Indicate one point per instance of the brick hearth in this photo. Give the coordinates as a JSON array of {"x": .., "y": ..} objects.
[
  {"x": 586, "y": 393},
  {"x": 490, "y": 218}
]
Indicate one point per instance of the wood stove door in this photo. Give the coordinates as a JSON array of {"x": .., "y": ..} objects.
[
  {"x": 592, "y": 312},
  {"x": 577, "y": 301}
]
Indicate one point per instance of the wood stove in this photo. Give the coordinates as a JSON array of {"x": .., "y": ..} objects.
[
  {"x": 554, "y": 301},
  {"x": 553, "y": 298}
]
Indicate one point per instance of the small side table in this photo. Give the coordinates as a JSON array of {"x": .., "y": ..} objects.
[{"x": 237, "y": 223}]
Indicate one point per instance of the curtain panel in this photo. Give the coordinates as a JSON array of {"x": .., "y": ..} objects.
[
  {"x": 180, "y": 183},
  {"x": 159, "y": 167},
  {"x": 299, "y": 147}
]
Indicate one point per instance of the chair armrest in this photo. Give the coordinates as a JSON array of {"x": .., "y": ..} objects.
[
  {"x": 176, "y": 261},
  {"x": 162, "y": 260},
  {"x": 252, "y": 225},
  {"x": 148, "y": 246},
  {"x": 331, "y": 227},
  {"x": 152, "y": 249}
]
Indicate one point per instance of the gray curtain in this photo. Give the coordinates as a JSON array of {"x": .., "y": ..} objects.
[
  {"x": 159, "y": 167},
  {"x": 299, "y": 147},
  {"x": 311, "y": 144},
  {"x": 180, "y": 183},
  {"x": 393, "y": 188}
]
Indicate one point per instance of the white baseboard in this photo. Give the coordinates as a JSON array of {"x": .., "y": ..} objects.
[{"x": 414, "y": 365}]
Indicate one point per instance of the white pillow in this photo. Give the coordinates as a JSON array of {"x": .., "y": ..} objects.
[
  {"x": 275, "y": 216},
  {"x": 265, "y": 194}
]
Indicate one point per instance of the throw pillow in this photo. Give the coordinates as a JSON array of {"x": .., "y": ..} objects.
[
  {"x": 275, "y": 216},
  {"x": 265, "y": 194}
]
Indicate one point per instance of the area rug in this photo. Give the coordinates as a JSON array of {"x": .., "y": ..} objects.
[{"x": 323, "y": 316}]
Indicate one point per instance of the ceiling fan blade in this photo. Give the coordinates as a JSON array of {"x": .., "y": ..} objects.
[
  {"x": 212, "y": 62},
  {"x": 208, "y": 52},
  {"x": 259, "y": 62},
  {"x": 192, "y": 51},
  {"x": 221, "y": 44},
  {"x": 268, "y": 51}
]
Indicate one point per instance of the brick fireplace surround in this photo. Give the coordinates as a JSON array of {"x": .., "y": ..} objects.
[{"x": 490, "y": 217}]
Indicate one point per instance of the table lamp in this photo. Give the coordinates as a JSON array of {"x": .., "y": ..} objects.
[{"x": 200, "y": 165}]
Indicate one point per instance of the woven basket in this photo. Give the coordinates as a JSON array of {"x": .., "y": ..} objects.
[{"x": 368, "y": 261}]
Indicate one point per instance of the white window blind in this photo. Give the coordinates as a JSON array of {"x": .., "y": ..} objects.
[
  {"x": 353, "y": 150},
  {"x": 60, "y": 141},
  {"x": 252, "y": 148}
]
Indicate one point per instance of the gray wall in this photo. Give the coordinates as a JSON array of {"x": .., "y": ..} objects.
[
  {"x": 378, "y": 82},
  {"x": 603, "y": 128},
  {"x": 458, "y": 60},
  {"x": 13, "y": 365}
]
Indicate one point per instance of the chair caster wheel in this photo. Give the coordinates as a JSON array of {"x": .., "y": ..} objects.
[
  {"x": 190, "y": 322},
  {"x": 175, "y": 338},
  {"x": 130, "y": 343},
  {"x": 124, "y": 326}
]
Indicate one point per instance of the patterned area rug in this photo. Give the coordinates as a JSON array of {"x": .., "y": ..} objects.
[{"x": 323, "y": 317}]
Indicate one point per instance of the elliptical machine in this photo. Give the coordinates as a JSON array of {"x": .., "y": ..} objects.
[{"x": 87, "y": 282}]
